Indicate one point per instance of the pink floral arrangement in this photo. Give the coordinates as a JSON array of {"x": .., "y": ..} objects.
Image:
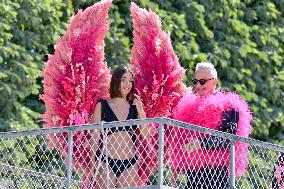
[
  {"x": 76, "y": 76},
  {"x": 158, "y": 74},
  {"x": 158, "y": 78}
]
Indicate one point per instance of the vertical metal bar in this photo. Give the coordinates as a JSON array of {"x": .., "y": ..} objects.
[
  {"x": 105, "y": 141},
  {"x": 232, "y": 164},
  {"x": 100, "y": 156},
  {"x": 69, "y": 160},
  {"x": 161, "y": 154}
]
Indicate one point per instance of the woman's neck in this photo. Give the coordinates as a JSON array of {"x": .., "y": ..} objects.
[{"x": 119, "y": 100}]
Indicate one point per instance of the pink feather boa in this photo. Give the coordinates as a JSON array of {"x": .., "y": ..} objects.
[{"x": 207, "y": 112}]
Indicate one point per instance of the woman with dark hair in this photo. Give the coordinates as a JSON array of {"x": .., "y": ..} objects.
[{"x": 119, "y": 161}]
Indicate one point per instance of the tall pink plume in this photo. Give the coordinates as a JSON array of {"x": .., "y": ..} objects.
[
  {"x": 75, "y": 77},
  {"x": 158, "y": 76}
]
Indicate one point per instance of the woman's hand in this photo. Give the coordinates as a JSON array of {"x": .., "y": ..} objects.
[
  {"x": 137, "y": 102},
  {"x": 144, "y": 130},
  {"x": 95, "y": 137}
]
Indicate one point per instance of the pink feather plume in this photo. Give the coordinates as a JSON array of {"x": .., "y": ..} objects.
[
  {"x": 158, "y": 74},
  {"x": 76, "y": 76},
  {"x": 158, "y": 79}
]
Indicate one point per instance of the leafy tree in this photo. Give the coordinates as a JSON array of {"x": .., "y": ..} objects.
[{"x": 27, "y": 30}]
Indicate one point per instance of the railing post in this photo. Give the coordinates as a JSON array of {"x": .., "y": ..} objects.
[
  {"x": 69, "y": 160},
  {"x": 232, "y": 164},
  {"x": 161, "y": 154},
  {"x": 105, "y": 142}
]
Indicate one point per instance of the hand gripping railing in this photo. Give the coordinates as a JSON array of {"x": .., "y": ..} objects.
[{"x": 27, "y": 161}]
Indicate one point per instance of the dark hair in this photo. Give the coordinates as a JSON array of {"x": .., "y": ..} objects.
[{"x": 115, "y": 83}]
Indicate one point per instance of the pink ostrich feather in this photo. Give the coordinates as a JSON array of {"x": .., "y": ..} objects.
[
  {"x": 75, "y": 78},
  {"x": 207, "y": 112},
  {"x": 158, "y": 74},
  {"x": 158, "y": 77}
]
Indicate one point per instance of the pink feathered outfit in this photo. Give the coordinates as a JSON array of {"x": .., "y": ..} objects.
[{"x": 206, "y": 111}]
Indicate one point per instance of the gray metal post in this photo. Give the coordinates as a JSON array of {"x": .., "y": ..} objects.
[
  {"x": 69, "y": 160},
  {"x": 232, "y": 164},
  {"x": 105, "y": 142},
  {"x": 161, "y": 154}
]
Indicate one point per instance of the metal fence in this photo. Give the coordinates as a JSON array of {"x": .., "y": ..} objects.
[{"x": 55, "y": 158}]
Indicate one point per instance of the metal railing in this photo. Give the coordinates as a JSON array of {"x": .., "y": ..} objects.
[{"x": 44, "y": 158}]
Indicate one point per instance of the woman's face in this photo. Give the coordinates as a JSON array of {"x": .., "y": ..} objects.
[
  {"x": 126, "y": 84},
  {"x": 204, "y": 82}
]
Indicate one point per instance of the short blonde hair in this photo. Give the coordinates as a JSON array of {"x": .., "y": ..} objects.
[{"x": 208, "y": 66}]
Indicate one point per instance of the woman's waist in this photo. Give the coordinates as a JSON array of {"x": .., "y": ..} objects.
[
  {"x": 121, "y": 153},
  {"x": 119, "y": 146},
  {"x": 120, "y": 139}
]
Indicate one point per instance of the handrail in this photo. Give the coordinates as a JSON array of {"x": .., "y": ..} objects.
[
  {"x": 160, "y": 121},
  {"x": 168, "y": 121}
]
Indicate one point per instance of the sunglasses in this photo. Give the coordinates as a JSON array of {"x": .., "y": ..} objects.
[{"x": 201, "y": 81}]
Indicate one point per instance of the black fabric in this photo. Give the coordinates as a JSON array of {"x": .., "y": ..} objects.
[
  {"x": 229, "y": 124},
  {"x": 108, "y": 116},
  {"x": 117, "y": 165},
  {"x": 208, "y": 178}
]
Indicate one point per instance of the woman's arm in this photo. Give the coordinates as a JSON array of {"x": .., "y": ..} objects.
[
  {"x": 141, "y": 115},
  {"x": 95, "y": 135}
]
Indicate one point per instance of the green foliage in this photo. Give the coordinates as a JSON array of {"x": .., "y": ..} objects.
[
  {"x": 27, "y": 29},
  {"x": 30, "y": 153},
  {"x": 117, "y": 43}
]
